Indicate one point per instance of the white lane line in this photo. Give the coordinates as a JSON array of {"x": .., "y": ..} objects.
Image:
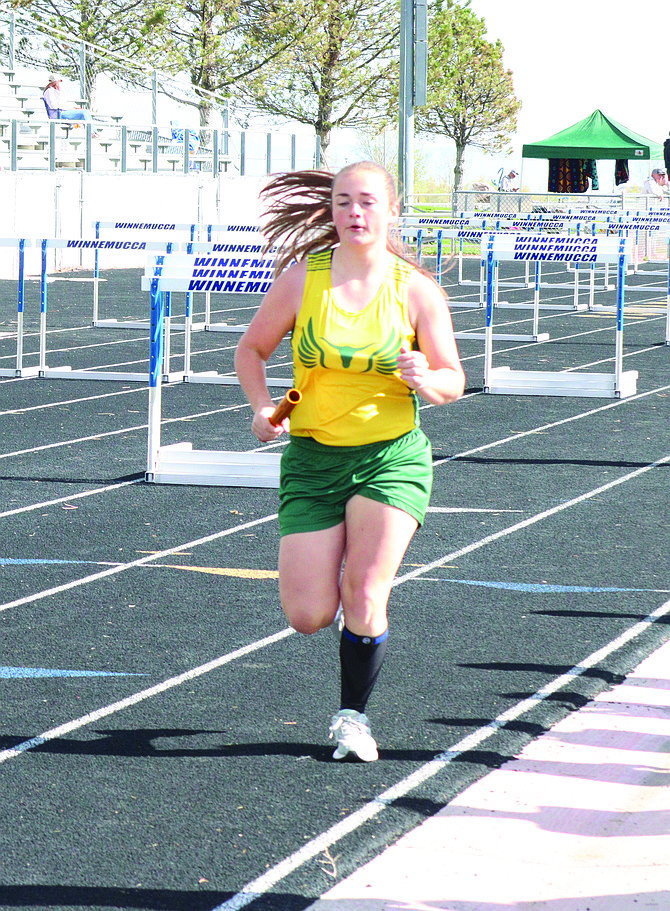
[
  {"x": 69, "y": 499},
  {"x": 532, "y": 520},
  {"x": 94, "y": 436},
  {"x": 610, "y": 360},
  {"x": 70, "y": 348},
  {"x": 203, "y": 414},
  {"x": 113, "y": 433},
  {"x": 129, "y": 701},
  {"x": 413, "y": 574},
  {"x": 260, "y": 886},
  {"x": 525, "y": 523},
  {"x": 68, "y": 402},
  {"x": 575, "y": 417},
  {"x": 142, "y": 561},
  {"x": 178, "y": 357},
  {"x": 562, "y": 338},
  {"x": 216, "y": 411},
  {"x": 280, "y": 871},
  {"x": 456, "y": 509}
]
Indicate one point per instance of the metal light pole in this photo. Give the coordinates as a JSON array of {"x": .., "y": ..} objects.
[{"x": 413, "y": 85}]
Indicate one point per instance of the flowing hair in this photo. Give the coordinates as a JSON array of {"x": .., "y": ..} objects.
[{"x": 298, "y": 215}]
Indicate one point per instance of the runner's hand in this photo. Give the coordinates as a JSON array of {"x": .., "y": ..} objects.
[
  {"x": 413, "y": 367},
  {"x": 263, "y": 429}
]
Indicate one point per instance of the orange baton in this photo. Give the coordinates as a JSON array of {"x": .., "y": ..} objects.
[{"x": 286, "y": 406}]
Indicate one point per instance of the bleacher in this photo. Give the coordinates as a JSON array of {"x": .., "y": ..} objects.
[{"x": 30, "y": 141}]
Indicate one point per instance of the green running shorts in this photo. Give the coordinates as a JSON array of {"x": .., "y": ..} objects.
[{"x": 317, "y": 481}]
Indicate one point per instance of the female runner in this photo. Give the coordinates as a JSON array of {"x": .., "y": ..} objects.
[{"x": 370, "y": 332}]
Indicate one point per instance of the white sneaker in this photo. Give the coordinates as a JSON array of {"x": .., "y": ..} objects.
[
  {"x": 351, "y": 731},
  {"x": 337, "y": 625}
]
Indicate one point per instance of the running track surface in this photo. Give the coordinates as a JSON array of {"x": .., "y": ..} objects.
[{"x": 164, "y": 735}]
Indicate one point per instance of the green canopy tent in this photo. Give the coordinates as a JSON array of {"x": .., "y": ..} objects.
[
  {"x": 597, "y": 137},
  {"x": 573, "y": 153}
]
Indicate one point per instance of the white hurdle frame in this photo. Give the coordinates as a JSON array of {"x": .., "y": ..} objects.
[
  {"x": 460, "y": 228},
  {"x": 182, "y": 272},
  {"x": 232, "y": 245},
  {"x": 191, "y": 229},
  {"x": 439, "y": 228},
  {"x": 179, "y": 463},
  {"x": 19, "y": 370},
  {"x": 67, "y": 372},
  {"x": 473, "y": 225},
  {"x": 502, "y": 380},
  {"x": 647, "y": 222},
  {"x": 477, "y": 234}
]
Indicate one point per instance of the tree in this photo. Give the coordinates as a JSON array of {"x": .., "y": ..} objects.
[
  {"x": 221, "y": 44},
  {"x": 204, "y": 38},
  {"x": 335, "y": 69},
  {"x": 325, "y": 63},
  {"x": 380, "y": 146},
  {"x": 131, "y": 28},
  {"x": 470, "y": 93}
]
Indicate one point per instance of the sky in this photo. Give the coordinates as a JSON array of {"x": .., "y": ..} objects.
[{"x": 575, "y": 56}]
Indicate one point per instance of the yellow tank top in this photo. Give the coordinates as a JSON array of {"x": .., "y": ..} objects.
[{"x": 345, "y": 364}]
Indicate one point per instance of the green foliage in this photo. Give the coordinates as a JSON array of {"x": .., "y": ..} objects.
[
  {"x": 206, "y": 39},
  {"x": 325, "y": 63},
  {"x": 127, "y": 28},
  {"x": 470, "y": 94},
  {"x": 333, "y": 63}
]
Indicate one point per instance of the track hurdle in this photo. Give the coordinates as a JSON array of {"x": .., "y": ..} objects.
[
  {"x": 417, "y": 229},
  {"x": 488, "y": 334},
  {"x": 471, "y": 226},
  {"x": 242, "y": 240},
  {"x": 502, "y": 380},
  {"x": 162, "y": 227},
  {"x": 66, "y": 372},
  {"x": 211, "y": 273},
  {"x": 222, "y": 253},
  {"x": 19, "y": 370},
  {"x": 560, "y": 221},
  {"x": 179, "y": 463},
  {"x": 475, "y": 235},
  {"x": 534, "y": 222},
  {"x": 438, "y": 228},
  {"x": 609, "y": 219},
  {"x": 645, "y": 221},
  {"x": 625, "y": 225}
]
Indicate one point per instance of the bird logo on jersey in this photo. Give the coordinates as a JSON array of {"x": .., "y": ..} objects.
[{"x": 382, "y": 359}]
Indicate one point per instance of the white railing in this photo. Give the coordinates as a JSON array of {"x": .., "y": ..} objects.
[{"x": 110, "y": 146}]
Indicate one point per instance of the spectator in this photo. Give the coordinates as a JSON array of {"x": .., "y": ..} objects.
[
  {"x": 506, "y": 183},
  {"x": 654, "y": 185},
  {"x": 58, "y": 107}
]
